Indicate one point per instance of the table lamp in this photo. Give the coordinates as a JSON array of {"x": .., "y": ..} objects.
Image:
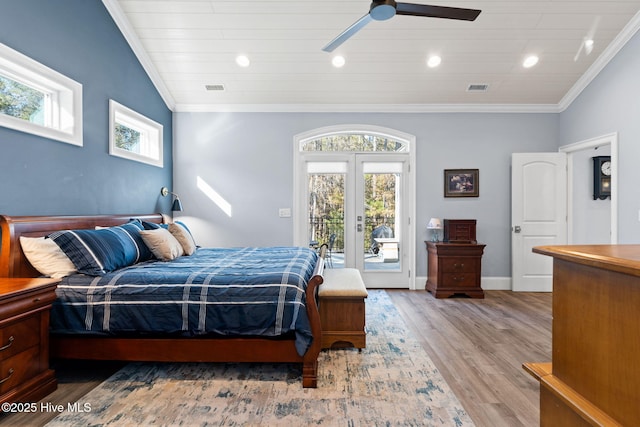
[{"x": 435, "y": 224}]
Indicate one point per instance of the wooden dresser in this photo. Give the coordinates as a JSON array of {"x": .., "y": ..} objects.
[
  {"x": 594, "y": 376},
  {"x": 454, "y": 269},
  {"x": 24, "y": 339}
]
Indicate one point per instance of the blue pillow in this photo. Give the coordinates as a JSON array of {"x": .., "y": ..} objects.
[
  {"x": 97, "y": 252},
  {"x": 153, "y": 226},
  {"x": 132, "y": 231}
]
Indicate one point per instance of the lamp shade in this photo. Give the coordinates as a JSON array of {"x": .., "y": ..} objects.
[
  {"x": 434, "y": 224},
  {"x": 177, "y": 205}
]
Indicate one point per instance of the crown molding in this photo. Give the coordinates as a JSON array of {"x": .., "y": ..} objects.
[
  {"x": 598, "y": 65},
  {"x": 129, "y": 34},
  {"x": 367, "y": 108}
]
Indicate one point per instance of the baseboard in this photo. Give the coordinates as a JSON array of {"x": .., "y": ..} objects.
[
  {"x": 487, "y": 283},
  {"x": 496, "y": 283}
]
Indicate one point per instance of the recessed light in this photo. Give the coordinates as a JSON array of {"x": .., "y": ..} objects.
[
  {"x": 588, "y": 46},
  {"x": 338, "y": 61},
  {"x": 434, "y": 61},
  {"x": 530, "y": 61},
  {"x": 243, "y": 60}
]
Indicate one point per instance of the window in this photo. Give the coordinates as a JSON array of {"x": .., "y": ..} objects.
[
  {"x": 134, "y": 136},
  {"x": 353, "y": 141},
  {"x": 38, "y": 100}
]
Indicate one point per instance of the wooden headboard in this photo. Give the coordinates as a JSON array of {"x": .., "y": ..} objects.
[{"x": 13, "y": 263}]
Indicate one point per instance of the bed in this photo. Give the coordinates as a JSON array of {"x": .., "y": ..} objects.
[{"x": 109, "y": 335}]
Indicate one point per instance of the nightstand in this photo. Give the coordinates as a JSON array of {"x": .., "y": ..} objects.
[
  {"x": 454, "y": 269},
  {"x": 24, "y": 339}
]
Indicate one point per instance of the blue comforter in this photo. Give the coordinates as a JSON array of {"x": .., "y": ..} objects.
[{"x": 227, "y": 291}]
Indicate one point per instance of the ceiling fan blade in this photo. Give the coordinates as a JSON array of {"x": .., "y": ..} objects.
[
  {"x": 437, "y": 11},
  {"x": 346, "y": 34}
]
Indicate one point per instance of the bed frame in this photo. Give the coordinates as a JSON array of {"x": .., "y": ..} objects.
[{"x": 13, "y": 263}]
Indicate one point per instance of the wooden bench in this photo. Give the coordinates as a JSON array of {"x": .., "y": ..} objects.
[{"x": 342, "y": 308}]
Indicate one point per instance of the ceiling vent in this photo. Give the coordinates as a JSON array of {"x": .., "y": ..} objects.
[
  {"x": 214, "y": 87},
  {"x": 478, "y": 87}
]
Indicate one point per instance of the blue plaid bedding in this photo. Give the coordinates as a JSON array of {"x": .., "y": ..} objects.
[{"x": 227, "y": 291}]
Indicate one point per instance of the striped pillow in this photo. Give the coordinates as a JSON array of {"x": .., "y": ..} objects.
[
  {"x": 97, "y": 252},
  {"x": 132, "y": 230}
]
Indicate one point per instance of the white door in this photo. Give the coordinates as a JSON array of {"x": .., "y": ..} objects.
[
  {"x": 359, "y": 205},
  {"x": 538, "y": 216}
]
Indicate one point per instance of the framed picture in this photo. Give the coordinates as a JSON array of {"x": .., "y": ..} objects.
[{"x": 461, "y": 183}]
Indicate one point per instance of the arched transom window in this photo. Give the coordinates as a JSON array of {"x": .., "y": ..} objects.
[{"x": 355, "y": 142}]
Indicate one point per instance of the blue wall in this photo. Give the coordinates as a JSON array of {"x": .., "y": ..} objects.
[{"x": 39, "y": 176}]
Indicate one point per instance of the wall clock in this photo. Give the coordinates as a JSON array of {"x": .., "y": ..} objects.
[{"x": 601, "y": 177}]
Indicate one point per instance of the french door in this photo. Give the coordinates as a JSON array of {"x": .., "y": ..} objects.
[{"x": 359, "y": 204}]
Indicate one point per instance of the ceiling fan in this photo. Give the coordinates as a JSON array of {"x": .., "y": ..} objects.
[{"x": 381, "y": 10}]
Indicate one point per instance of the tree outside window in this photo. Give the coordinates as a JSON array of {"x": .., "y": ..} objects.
[{"x": 21, "y": 101}]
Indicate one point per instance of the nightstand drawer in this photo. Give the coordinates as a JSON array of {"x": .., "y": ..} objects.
[
  {"x": 457, "y": 265},
  {"x": 24, "y": 339},
  {"x": 462, "y": 279},
  {"x": 16, "y": 369},
  {"x": 18, "y": 336}
]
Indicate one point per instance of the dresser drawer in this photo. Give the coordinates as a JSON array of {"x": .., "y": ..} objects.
[
  {"x": 19, "y": 368},
  {"x": 457, "y": 265},
  {"x": 453, "y": 280},
  {"x": 18, "y": 336}
]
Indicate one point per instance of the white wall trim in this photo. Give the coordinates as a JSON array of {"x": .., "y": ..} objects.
[
  {"x": 368, "y": 108},
  {"x": 495, "y": 283},
  {"x": 598, "y": 65},
  {"x": 487, "y": 283}
]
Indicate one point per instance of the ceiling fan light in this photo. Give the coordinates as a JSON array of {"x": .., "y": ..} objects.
[
  {"x": 530, "y": 61},
  {"x": 338, "y": 61},
  {"x": 434, "y": 61}
]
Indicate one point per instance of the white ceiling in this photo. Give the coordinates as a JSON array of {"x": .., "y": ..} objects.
[{"x": 186, "y": 45}]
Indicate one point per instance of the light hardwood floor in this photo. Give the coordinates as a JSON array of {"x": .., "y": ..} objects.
[{"x": 478, "y": 345}]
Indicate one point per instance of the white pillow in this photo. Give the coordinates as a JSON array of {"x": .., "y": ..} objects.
[
  {"x": 162, "y": 243},
  {"x": 47, "y": 257},
  {"x": 183, "y": 236}
]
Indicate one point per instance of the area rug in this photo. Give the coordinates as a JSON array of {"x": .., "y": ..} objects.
[{"x": 390, "y": 383}]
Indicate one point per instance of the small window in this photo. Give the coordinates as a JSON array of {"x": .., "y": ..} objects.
[
  {"x": 134, "y": 136},
  {"x": 37, "y": 100}
]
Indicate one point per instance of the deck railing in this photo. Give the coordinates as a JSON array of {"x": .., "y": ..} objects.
[{"x": 321, "y": 229}]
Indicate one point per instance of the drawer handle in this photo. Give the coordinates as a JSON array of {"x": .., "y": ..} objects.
[
  {"x": 8, "y": 376},
  {"x": 459, "y": 278},
  {"x": 458, "y": 265},
  {"x": 11, "y": 339}
]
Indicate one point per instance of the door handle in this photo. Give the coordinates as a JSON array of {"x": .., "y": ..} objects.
[{"x": 517, "y": 229}]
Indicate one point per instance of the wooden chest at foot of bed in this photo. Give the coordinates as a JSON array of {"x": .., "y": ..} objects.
[{"x": 342, "y": 309}]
